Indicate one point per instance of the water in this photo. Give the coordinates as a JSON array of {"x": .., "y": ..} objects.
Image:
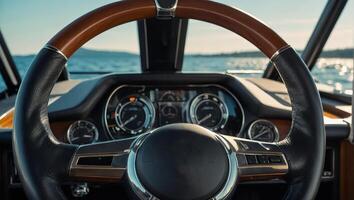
[{"x": 336, "y": 72}]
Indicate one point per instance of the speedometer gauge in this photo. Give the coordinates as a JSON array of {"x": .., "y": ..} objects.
[
  {"x": 131, "y": 115},
  {"x": 263, "y": 130},
  {"x": 208, "y": 111},
  {"x": 82, "y": 132}
]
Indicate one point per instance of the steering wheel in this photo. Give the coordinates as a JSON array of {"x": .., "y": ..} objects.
[{"x": 178, "y": 161}]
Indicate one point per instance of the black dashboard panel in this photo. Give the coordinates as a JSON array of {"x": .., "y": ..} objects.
[
  {"x": 87, "y": 100},
  {"x": 132, "y": 109},
  {"x": 81, "y": 99}
]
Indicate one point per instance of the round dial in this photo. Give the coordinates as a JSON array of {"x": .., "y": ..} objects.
[
  {"x": 169, "y": 111},
  {"x": 82, "y": 132},
  {"x": 208, "y": 111},
  {"x": 168, "y": 96},
  {"x": 134, "y": 114},
  {"x": 263, "y": 130}
]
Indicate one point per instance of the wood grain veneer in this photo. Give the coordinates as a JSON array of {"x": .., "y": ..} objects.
[
  {"x": 346, "y": 171},
  {"x": 283, "y": 126},
  {"x": 6, "y": 119}
]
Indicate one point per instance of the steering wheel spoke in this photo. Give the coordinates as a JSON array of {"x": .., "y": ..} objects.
[
  {"x": 101, "y": 162},
  {"x": 259, "y": 160}
]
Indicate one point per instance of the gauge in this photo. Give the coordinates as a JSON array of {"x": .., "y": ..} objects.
[
  {"x": 169, "y": 110},
  {"x": 82, "y": 132},
  {"x": 168, "y": 96},
  {"x": 209, "y": 111},
  {"x": 134, "y": 114},
  {"x": 170, "y": 113},
  {"x": 263, "y": 130}
]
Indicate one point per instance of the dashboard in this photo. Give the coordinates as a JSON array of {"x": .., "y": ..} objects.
[
  {"x": 113, "y": 107},
  {"x": 119, "y": 106}
]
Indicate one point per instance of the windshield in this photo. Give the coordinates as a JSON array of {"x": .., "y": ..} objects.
[
  {"x": 214, "y": 49},
  {"x": 208, "y": 48},
  {"x": 37, "y": 21}
]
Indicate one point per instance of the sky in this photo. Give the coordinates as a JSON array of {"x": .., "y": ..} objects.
[{"x": 28, "y": 25}]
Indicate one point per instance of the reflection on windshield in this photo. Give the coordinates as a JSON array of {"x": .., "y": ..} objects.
[{"x": 336, "y": 72}]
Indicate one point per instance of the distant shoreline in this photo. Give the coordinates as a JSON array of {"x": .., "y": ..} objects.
[{"x": 337, "y": 53}]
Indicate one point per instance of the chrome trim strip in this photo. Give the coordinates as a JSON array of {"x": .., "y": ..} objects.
[
  {"x": 233, "y": 171},
  {"x": 132, "y": 175},
  {"x": 277, "y": 53},
  {"x": 52, "y": 48},
  {"x": 165, "y": 12}
]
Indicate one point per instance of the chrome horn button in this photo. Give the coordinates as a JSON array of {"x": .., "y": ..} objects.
[{"x": 182, "y": 161}]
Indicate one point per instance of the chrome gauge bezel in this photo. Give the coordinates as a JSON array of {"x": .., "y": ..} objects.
[
  {"x": 112, "y": 94},
  {"x": 276, "y": 131},
  {"x": 70, "y": 129},
  {"x": 199, "y": 99},
  {"x": 149, "y": 116}
]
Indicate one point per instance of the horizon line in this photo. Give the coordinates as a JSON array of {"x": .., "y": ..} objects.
[{"x": 188, "y": 54}]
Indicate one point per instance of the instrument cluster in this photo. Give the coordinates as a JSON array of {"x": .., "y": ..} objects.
[
  {"x": 132, "y": 110},
  {"x": 135, "y": 109}
]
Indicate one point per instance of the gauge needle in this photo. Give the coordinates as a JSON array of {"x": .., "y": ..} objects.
[
  {"x": 87, "y": 136},
  {"x": 262, "y": 132},
  {"x": 130, "y": 120},
  {"x": 75, "y": 138},
  {"x": 204, "y": 118}
]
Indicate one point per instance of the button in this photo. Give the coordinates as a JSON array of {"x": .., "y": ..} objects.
[
  {"x": 241, "y": 159},
  {"x": 262, "y": 159},
  {"x": 275, "y": 159},
  {"x": 103, "y": 161},
  {"x": 251, "y": 159},
  {"x": 120, "y": 161}
]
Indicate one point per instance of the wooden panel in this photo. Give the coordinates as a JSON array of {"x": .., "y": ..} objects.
[
  {"x": 346, "y": 171},
  {"x": 283, "y": 126},
  {"x": 59, "y": 130},
  {"x": 330, "y": 115},
  {"x": 6, "y": 120}
]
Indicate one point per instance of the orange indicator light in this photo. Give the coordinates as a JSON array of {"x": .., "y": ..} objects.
[{"x": 132, "y": 99}]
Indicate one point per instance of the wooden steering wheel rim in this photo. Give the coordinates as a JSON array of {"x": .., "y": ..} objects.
[{"x": 76, "y": 34}]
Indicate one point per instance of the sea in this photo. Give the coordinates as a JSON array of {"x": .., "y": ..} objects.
[{"x": 336, "y": 72}]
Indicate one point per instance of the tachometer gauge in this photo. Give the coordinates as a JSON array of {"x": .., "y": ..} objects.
[
  {"x": 263, "y": 130},
  {"x": 82, "y": 132},
  {"x": 132, "y": 115},
  {"x": 208, "y": 111}
]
